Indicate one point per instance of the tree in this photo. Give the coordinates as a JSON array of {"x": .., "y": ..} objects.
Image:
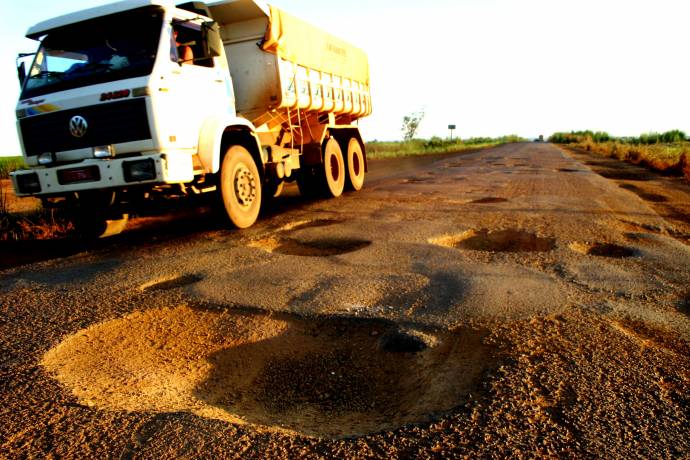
[{"x": 411, "y": 124}]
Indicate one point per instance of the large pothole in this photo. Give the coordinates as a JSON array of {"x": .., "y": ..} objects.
[
  {"x": 497, "y": 241},
  {"x": 328, "y": 377},
  {"x": 611, "y": 250},
  {"x": 321, "y": 247},
  {"x": 652, "y": 197}
]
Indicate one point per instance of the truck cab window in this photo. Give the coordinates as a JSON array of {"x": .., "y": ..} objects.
[
  {"x": 187, "y": 46},
  {"x": 96, "y": 51}
]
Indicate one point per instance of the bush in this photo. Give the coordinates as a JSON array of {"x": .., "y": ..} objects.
[
  {"x": 9, "y": 164},
  {"x": 667, "y": 152},
  {"x": 379, "y": 149}
]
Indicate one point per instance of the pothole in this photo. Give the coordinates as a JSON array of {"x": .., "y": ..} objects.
[
  {"x": 624, "y": 175},
  {"x": 651, "y": 197},
  {"x": 171, "y": 282},
  {"x": 497, "y": 241},
  {"x": 324, "y": 377},
  {"x": 604, "y": 250},
  {"x": 418, "y": 180},
  {"x": 302, "y": 224},
  {"x": 489, "y": 200},
  {"x": 606, "y": 164},
  {"x": 403, "y": 342},
  {"x": 631, "y": 187},
  {"x": 322, "y": 247}
]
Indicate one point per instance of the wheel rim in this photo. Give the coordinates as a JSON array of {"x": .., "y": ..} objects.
[
  {"x": 335, "y": 168},
  {"x": 245, "y": 186},
  {"x": 355, "y": 163}
]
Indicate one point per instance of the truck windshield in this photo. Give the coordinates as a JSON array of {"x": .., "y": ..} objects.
[{"x": 106, "y": 49}]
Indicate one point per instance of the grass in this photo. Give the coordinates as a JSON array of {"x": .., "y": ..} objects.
[
  {"x": 36, "y": 224},
  {"x": 9, "y": 164},
  {"x": 43, "y": 224},
  {"x": 39, "y": 224},
  {"x": 397, "y": 149},
  {"x": 668, "y": 153}
]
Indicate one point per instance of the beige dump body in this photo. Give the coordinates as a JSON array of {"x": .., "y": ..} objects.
[{"x": 279, "y": 63}]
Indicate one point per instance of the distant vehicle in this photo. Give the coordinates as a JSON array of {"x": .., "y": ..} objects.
[
  {"x": 540, "y": 138},
  {"x": 141, "y": 99}
]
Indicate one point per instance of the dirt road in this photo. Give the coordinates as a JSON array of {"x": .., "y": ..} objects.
[{"x": 516, "y": 301}]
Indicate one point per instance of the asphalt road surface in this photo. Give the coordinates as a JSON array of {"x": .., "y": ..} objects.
[{"x": 517, "y": 301}]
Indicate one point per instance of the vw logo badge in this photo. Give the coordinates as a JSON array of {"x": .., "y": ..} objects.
[{"x": 78, "y": 126}]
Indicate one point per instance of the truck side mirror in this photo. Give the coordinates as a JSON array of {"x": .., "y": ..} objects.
[
  {"x": 213, "y": 45},
  {"x": 21, "y": 73}
]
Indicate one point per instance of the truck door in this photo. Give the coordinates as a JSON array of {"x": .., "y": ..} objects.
[{"x": 197, "y": 85}]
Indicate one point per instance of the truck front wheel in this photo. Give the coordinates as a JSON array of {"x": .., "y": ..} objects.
[
  {"x": 240, "y": 187},
  {"x": 93, "y": 216}
]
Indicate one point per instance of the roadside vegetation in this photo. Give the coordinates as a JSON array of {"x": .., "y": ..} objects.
[
  {"x": 41, "y": 224},
  {"x": 9, "y": 164},
  {"x": 395, "y": 149},
  {"x": 37, "y": 223},
  {"x": 668, "y": 153}
]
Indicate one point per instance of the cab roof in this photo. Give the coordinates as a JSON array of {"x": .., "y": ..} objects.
[{"x": 44, "y": 27}]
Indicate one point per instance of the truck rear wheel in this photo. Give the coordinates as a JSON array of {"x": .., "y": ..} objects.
[
  {"x": 309, "y": 181},
  {"x": 334, "y": 168},
  {"x": 240, "y": 187},
  {"x": 355, "y": 165}
]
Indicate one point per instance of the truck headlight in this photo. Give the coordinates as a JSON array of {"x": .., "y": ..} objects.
[
  {"x": 103, "y": 151},
  {"x": 46, "y": 158},
  {"x": 138, "y": 171}
]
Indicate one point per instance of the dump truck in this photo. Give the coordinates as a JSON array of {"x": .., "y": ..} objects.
[{"x": 134, "y": 102}]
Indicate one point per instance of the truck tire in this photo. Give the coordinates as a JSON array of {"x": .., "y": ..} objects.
[
  {"x": 355, "y": 165},
  {"x": 93, "y": 217},
  {"x": 309, "y": 181},
  {"x": 333, "y": 169},
  {"x": 93, "y": 227},
  {"x": 272, "y": 189},
  {"x": 240, "y": 187}
]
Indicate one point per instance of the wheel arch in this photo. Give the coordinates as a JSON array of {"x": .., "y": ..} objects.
[
  {"x": 240, "y": 135},
  {"x": 218, "y": 133}
]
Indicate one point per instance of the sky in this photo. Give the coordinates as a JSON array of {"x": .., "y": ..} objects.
[{"x": 491, "y": 67}]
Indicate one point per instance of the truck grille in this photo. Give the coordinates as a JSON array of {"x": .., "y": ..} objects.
[{"x": 111, "y": 123}]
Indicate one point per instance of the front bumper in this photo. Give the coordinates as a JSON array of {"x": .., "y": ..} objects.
[{"x": 94, "y": 174}]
